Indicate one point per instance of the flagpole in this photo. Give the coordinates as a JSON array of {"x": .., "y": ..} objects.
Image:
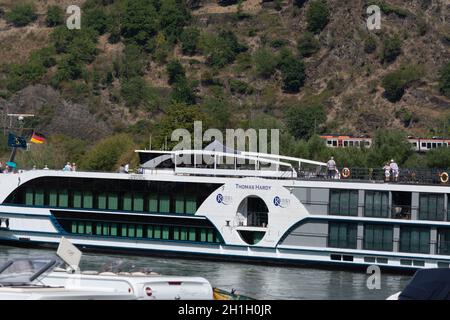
[{"x": 20, "y": 117}]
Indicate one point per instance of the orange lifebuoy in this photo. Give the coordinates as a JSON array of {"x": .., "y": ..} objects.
[
  {"x": 346, "y": 172},
  {"x": 444, "y": 177}
]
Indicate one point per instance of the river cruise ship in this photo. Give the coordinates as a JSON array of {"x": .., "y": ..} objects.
[{"x": 237, "y": 206}]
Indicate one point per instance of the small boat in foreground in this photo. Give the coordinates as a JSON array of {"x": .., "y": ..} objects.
[
  {"x": 44, "y": 279},
  {"x": 427, "y": 284}
]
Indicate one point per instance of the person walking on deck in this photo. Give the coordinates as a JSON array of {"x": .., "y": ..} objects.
[{"x": 331, "y": 166}]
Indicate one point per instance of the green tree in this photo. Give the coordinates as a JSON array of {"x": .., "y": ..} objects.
[
  {"x": 135, "y": 91},
  {"x": 175, "y": 71},
  {"x": 183, "y": 92},
  {"x": 370, "y": 44},
  {"x": 178, "y": 116},
  {"x": 387, "y": 145},
  {"x": 308, "y": 45},
  {"x": 131, "y": 63},
  {"x": 21, "y": 14},
  {"x": 218, "y": 108},
  {"x": 98, "y": 20},
  {"x": 55, "y": 16},
  {"x": 190, "y": 40},
  {"x": 106, "y": 154},
  {"x": 317, "y": 15},
  {"x": 444, "y": 80},
  {"x": 173, "y": 17},
  {"x": 265, "y": 62},
  {"x": 140, "y": 23},
  {"x": 293, "y": 72},
  {"x": 396, "y": 82},
  {"x": 438, "y": 158},
  {"x": 222, "y": 49},
  {"x": 392, "y": 48},
  {"x": 303, "y": 121},
  {"x": 69, "y": 68}
]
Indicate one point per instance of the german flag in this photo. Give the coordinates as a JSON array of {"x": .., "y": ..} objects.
[{"x": 37, "y": 138}]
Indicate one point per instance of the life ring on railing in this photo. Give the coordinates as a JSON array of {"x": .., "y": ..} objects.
[
  {"x": 346, "y": 173},
  {"x": 444, "y": 177}
]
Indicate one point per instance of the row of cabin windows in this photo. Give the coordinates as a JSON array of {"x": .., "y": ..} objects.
[
  {"x": 381, "y": 238},
  {"x": 128, "y": 230},
  {"x": 376, "y": 204},
  {"x": 111, "y": 201}
]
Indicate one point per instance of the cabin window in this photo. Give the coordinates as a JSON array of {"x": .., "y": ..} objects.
[
  {"x": 87, "y": 200},
  {"x": 77, "y": 199},
  {"x": 376, "y": 204},
  {"x": 431, "y": 207},
  {"x": 113, "y": 229},
  {"x": 165, "y": 233},
  {"x": 106, "y": 229},
  {"x": 342, "y": 235},
  {"x": 157, "y": 232},
  {"x": 138, "y": 202},
  {"x": 29, "y": 197},
  {"x": 139, "y": 231},
  {"x": 81, "y": 227},
  {"x": 127, "y": 204},
  {"x": 102, "y": 201},
  {"x": 39, "y": 197},
  {"x": 98, "y": 229},
  {"x": 183, "y": 234},
  {"x": 192, "y": 234},
  {"x": 191, "y": 205},
  {"x": 112, "y": 201},
  {"x": 53, "y": 198},
  {"x": 88, "y": 228},
  {"x": 131, "y": 231},
  {"x": 179, "y": 204},
  {"x": 444, "y": 241},
  {"x": 416, "y": 240},
  {"x": 378, "y": 237},
  {"x": 150, "y": 232},
  {"x": 63, "y": 199},
  {"x": 153, "y": 203},
  {"x": 73, "y": 227},
  {"x": 164, "y": 204},
  {"x": 343, "y": 202}
]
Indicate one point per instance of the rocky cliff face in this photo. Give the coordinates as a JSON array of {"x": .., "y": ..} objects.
[
  {"x": 341, "y": 75},
  {"x": 54, "y": 114}
]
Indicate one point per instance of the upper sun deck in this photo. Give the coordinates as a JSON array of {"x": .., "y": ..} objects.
[
  {"x": 253, "y": 164},
  {"x": 216, "y": 163}
]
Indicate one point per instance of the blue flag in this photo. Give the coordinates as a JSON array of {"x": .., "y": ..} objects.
[{"x": 16, "y": 142}]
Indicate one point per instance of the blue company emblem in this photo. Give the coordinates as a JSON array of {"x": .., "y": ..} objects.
[
  {"x": 219, "y": 198},
  {"x": 277, "y": 201}
]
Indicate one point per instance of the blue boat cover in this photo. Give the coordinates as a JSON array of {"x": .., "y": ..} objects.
[{"x": 428, "y": 284}]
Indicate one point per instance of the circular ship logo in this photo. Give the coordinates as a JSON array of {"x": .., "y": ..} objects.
[
  {"x": 277, "y": 201},
  {"x": 282, "y": 203},
  {"x": 219, "y": 198}
]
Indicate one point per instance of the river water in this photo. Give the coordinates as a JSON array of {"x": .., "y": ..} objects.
[{"x": 257, "y": 281}]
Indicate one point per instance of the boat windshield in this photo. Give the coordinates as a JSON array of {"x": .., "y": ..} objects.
[{"x": 22, "y": 272}]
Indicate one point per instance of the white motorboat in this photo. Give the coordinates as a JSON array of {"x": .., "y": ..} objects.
[{"x": 44, "y": 279}]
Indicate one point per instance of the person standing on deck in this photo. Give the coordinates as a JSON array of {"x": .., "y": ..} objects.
[
  {"x": 395, "y": 170},
  {"x": 331, "y": 166},
  {"x": 387, "y": 172}
]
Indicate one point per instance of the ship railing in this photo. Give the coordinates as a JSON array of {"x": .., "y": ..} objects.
[
  {"x": 401, "y": 212},
  {"x": 377, "y": 175}
]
